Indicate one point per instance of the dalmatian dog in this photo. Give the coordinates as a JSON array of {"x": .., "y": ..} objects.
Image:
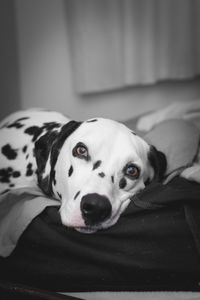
[{"x": 93, "y": 167}]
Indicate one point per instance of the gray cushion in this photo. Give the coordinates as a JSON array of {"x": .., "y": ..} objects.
[{"x": 178, "y": 140}]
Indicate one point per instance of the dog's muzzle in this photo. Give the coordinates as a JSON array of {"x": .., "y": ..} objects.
[{"x": 95, "y": 209}]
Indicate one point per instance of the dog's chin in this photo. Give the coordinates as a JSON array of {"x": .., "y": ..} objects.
[
  {"x": 93, "y": 229},
  {"x": 87, "y": 229}
]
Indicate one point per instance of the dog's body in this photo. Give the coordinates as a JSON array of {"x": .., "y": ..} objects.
[
  {"x": 19, "y": 133},
  {"x": 92, "y": 167}
]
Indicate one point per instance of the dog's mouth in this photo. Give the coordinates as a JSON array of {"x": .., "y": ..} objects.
[
  {"x": 99, "y": 226},
  {"x": 93, "y": 228},
  {"x": 87, "y": 229}
]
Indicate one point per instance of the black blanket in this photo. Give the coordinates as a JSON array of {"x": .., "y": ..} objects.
[{"x": 154, "y": 246}]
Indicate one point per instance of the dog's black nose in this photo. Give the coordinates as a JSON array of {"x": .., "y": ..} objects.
[{"x": 95, "y": 208}]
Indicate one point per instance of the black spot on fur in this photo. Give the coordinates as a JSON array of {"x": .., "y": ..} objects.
[
  {"x": 45, "y": 184},
  {"x": 112, "y": 179},
  {"x": 22, "y": 119},
  {"x": 42, "y": 149},
  {"x": 51, "y": 142},
  {"x": 35, "y": 131},
  {"x": 122, "y": 183},
  {"x": 9, "y": 152},
  {"x": 11, "y": 185},
  {"x": 70, "y": 171},
  {"x": 4, "y": 125},
  {"x": 91, "y": 121},
  {"x": 24, "y": 149},
  {"x": 27, "y": 156},
  {"x": 96, "y": 164},
  {"x": 59, "y": 195},
  {"x": 76, "y": 195},
  {"x": 54, "y": 177},
  {"x": 158, "y": 161},
  {"x": 16, "y": 174},
  {"x": 29, "y": 171},
  {"x": 101, "y": 174},
  {"x": 51, "y": 125},
  {"x": 5, "y": 175},
  {"x": 17, "y": 124}
]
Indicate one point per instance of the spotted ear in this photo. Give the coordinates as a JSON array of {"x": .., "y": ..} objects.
[
  {"x": 47, "y": 149},
  {"x": 158, "y": 161}
]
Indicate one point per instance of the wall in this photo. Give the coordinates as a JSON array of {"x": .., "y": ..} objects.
[
  {"x": 9, "y": 72},
  {"x": 46, "y": 78}
]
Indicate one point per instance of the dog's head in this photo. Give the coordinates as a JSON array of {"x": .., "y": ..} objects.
[{"x": 94, "y": 167}]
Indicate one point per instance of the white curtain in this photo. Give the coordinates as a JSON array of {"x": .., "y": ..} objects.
[{"x": 120, "y": 43}]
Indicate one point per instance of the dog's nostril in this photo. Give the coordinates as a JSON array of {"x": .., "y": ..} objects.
[
  {"x": 95, "y": 208},
  {"x": 88, "y": 208}
]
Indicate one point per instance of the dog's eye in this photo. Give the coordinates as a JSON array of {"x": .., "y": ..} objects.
[
  {"x": 132, "y": 171},
  {"x": 82, "y": 151}
]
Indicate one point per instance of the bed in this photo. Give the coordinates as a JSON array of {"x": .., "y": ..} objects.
[{"x": 153, "y": 252}]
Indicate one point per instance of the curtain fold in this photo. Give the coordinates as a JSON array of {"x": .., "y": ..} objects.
[{"x": 120, "y": 43}]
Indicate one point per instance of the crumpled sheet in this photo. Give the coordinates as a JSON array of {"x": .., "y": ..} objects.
[{"x": 18, "y": 208}]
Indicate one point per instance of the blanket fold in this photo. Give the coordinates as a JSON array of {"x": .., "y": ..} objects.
[{"x": 18, "y": 208}]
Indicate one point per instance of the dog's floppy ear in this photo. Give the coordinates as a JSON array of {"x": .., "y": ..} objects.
[
  {"x": 47, "y": 149},
  {"x": 158, "y": 161}
]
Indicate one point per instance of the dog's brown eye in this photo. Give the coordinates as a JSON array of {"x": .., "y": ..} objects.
[
  {"x": 82, "y": 151},
  {"x": 132, "y": 171}
]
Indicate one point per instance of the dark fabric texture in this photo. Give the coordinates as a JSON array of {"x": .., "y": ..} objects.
[{"x": 154, "y": 246}]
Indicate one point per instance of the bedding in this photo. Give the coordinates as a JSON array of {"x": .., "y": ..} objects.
[{"x": 154, "y": 246}]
